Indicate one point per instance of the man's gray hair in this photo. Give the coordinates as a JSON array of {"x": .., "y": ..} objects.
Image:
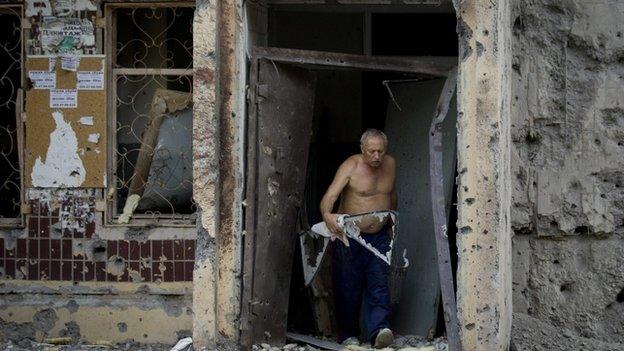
[{"x": 371, "y": 132}]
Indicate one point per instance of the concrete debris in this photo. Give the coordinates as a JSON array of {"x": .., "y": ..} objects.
[
  {"x": 185, "y": 344},
  {"x": 529, "y": 333},
  {"x": 401, "y": 343},
  {"x": 30, "y": 345},
  {"x": 58, "y": 341}
]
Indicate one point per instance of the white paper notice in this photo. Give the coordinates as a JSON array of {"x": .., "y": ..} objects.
[
  {"x": 42, "y": 79},
  {"x": 63, "y": 98},
  {"x": 90, "y": 80},
  {"x": 86, "y": 120},
  {"x": 70, "y": 63}
]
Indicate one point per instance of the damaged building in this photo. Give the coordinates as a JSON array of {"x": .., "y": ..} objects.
[{"x": 162, "y": 164}]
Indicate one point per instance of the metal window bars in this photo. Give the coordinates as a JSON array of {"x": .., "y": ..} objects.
[
  {"x": 11, "y": 51},
  {"x": 151, "y": 89}
]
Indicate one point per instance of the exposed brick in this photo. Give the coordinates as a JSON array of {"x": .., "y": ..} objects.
[
  {"x": 89, "y": 271},
  {"x": 189, "y": 249},
  {"x": 168, "y": 249},
  {"x": 78, "y": 272},
  {"x": 67, "y": 249},
  {"x": 178, "y": 250},
  {"x": 33, "y": 249},
  {"x": 44, "y": 270},
  {"x": 135, "y": 250},
  {"x": 55, "y": 249},
  {"x": 55, "y": 270},
  {"x": 111, "y": 248},
  {"x": 156, "y": 249},
  {"x": 66, "y": 270},
  {"x": 22, "y": 248},
  {"x": 44, "y": 248},
  {"x": 9, "y": 268},
  {"x": 124, "y": 249}
]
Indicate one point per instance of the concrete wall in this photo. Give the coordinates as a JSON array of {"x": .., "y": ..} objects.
[{"x": 567, "y": 162}]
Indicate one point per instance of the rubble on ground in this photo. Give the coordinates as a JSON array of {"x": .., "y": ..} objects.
[
  {"x": 401, "y": 343},
  {"x": 529, "y": 333}
]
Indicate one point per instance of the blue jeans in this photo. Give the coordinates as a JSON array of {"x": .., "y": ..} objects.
[{"x": 361, "y": 277}]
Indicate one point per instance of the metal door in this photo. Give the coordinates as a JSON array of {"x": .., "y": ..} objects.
[{"x": 279, "y": 128}]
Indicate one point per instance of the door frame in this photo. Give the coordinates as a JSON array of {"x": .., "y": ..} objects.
[{"x": 444, "y": 67}]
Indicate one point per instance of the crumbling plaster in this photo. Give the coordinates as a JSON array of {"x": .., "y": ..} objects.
[
  {"x": 484, "y": 238},
  {"x": 213, "y": 301},
  {"x": 94, "y": 311},
  {"x": 567, "y": 161}
]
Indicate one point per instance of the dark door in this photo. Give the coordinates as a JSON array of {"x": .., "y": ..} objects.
[{"x": 279, "y": 127}]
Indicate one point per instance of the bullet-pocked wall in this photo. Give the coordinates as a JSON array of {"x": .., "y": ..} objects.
[
  {"x": 98, "y": 240},
  {"x": 568, "y": 184}
]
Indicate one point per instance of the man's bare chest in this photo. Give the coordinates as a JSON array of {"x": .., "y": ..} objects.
[{"x": 367, "y": 184}]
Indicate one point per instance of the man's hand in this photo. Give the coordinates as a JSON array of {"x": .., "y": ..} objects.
[{"x": 331, "y": 221}]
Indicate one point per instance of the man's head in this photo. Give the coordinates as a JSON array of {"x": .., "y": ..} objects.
[{"x": 373, "y": 144}]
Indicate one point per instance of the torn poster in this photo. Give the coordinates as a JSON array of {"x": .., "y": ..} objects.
[
  {"x": 70, "y": 62},
  {"x": 63, "y": 8},
  {"x": 66, "y": 34},
  {"x": 63, "y": 98},
  {"x": 42, "y": 79},
  {"x": 38, "y": 7},
  {"x": 62, "y": 166},
  {"x": 90, "y": 80}
]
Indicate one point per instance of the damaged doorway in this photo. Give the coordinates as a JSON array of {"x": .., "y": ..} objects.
[{"x": 291, "y": 154}]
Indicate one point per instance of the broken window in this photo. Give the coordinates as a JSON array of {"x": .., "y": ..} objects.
[
  {"x": 151, "y": 91},
  {"x": 10, "y": 114}
]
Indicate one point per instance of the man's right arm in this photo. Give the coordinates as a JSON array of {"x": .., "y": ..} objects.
[{"x": 333, "y": 192}]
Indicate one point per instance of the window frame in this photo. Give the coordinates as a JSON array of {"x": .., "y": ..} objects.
[
  {"x": 18, "y": 221},
  {"x": 110, "y": 212}
]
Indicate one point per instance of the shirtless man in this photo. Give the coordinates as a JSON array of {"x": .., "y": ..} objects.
[{"x": 364, "y": 183}]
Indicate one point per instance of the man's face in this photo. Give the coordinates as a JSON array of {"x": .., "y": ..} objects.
[{"x": 373, "y": 150}]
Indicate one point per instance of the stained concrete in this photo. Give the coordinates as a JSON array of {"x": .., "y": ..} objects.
[{"x": 567, "y": 160}]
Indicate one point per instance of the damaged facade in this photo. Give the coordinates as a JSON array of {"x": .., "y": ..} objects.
[{"x": 126, "y": 211}]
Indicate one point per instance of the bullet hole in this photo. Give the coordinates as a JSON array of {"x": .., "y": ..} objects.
[
  {"x": 470, "y": 200},
  {"x": 597, "y": 142},
  {"x": 470, "y": 326},
  {"x": 485, "y": 231},
  {"x": 532, "y": 138},
  {"x": 465, "y": 230},
  {"x": 123, "y": 327},
  {"x": 145, "y": 336},
  {"x": 554, "y": 225},
  {"x": 556, "y": 262},
  {"x": 581, "y": 229},
  {"x": 566, "y": 287},
  {"x": 620, "y": 296}
]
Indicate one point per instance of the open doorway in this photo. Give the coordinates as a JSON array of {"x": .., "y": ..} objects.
[{"x": 344, "y": 95}]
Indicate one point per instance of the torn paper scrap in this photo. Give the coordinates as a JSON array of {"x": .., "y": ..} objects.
[
  {"x": 52, "y": 64},
  {"x": 94, "y": 138},
  {"x": 86, "y": 120},
  {"x": 70, "y": 62}
]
